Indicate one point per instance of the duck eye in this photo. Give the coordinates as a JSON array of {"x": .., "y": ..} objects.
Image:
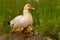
[{"x": 30, "y": 6}]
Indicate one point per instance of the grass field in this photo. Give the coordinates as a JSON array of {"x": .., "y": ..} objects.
[{"x": 46, "y": 15}]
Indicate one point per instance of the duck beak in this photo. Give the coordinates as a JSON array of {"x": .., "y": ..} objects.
[{"x": 33, "y": 8}]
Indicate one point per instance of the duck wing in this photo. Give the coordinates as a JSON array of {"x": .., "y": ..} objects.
[{"x": 15, "y": 20}]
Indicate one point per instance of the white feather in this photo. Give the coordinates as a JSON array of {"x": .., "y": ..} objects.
[{"x": 22, "y": 20}]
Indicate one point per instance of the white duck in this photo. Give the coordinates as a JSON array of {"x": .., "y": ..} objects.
[{"x": 23, "y": 20}]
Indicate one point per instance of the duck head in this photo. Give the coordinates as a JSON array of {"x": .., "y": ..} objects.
[{"x": 28, "y": 6}]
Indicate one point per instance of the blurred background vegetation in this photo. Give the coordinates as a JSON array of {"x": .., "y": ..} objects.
[{"x": 46, "y": 15}]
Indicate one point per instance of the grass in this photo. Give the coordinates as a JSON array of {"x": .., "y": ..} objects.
[{"x": 46, "y": 15}]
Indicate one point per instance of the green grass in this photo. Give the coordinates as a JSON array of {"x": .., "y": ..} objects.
[{"x": 46, "y": 15}]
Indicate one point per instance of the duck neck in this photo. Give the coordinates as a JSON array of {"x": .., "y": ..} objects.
[{"x": 26, "y": 12}]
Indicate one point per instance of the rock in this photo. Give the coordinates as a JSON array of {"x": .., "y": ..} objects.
[
  {"x": 22, "y": 36},
  {"x": 35, "y": 37}
]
